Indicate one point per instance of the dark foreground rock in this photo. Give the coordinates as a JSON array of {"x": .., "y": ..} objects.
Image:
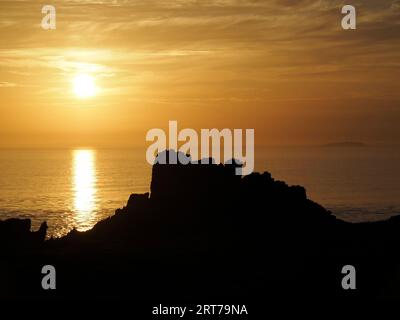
[{"x": 204, "y": 233}]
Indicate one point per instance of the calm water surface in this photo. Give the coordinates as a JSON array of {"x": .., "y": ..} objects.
[
  {"x": 69, "y": 188},
  {"x": 77, "y": 188}
]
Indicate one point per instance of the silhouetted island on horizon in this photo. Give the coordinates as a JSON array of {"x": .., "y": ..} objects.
[
  {"x": 345, "y": 144},
  {"x": 205, "y": 233}
]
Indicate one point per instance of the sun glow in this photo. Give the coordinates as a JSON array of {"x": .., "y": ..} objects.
[{"x": 84, "y": 86}]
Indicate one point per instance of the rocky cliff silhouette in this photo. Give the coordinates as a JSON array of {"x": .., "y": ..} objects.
[{"x": 205, "y": 233}]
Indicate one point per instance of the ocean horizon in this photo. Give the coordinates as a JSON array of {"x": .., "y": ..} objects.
[{"x": 76, "y": 188}]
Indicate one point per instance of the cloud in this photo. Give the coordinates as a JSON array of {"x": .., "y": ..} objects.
[
  {"x": 277, "y": 41},
  {"x": 7, "y": 84}
]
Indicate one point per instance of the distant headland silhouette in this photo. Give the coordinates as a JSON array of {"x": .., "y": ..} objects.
[
  {"x": 345, "y": 144},
  {"x": 205, "y": 233}
]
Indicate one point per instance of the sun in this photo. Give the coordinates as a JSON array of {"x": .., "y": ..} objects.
[{"x": 84, "y": 86}]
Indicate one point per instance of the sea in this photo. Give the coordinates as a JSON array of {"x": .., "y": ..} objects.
[{"x": 75, "y": 188}]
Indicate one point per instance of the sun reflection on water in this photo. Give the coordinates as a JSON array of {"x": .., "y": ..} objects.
[{"x": 84, "y": 188}]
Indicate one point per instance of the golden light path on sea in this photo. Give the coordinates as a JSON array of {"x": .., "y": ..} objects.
[{"x": 84, "y": 187}]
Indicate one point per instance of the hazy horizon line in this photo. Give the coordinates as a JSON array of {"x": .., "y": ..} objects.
[{"x": 270, "y": 145}]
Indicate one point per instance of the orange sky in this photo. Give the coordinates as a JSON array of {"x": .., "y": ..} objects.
[{"x": 284, "y": 68}]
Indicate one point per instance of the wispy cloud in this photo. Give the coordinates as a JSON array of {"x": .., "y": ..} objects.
[
  {"x": 207, "y": 53},
  {"x": 4, "y": 84}
]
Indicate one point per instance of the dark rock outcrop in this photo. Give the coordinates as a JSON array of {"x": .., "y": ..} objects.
[
  {"x": 16, "y": 233},
  {"x": 204, "y": 232}
]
